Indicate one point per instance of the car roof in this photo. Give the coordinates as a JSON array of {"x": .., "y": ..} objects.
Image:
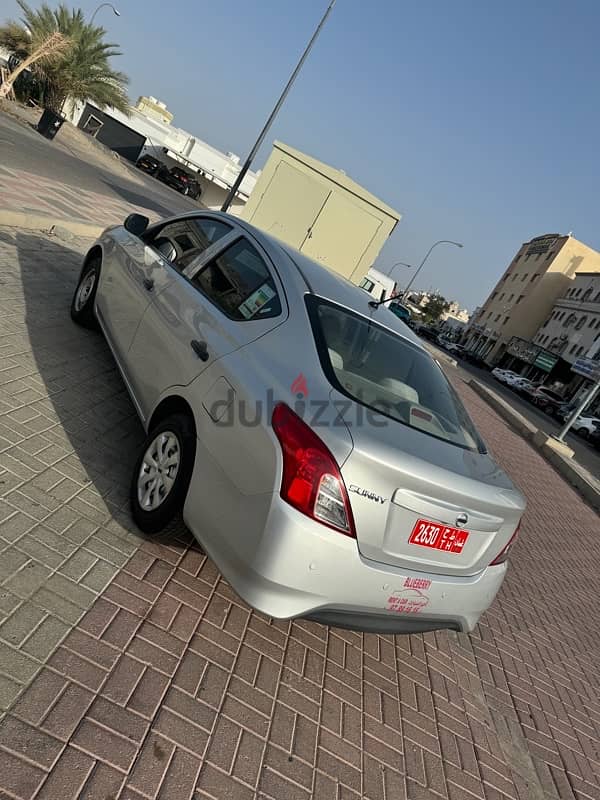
[
  {"x": 332, "y": 286},
  {"x": 322, "y": 281}
]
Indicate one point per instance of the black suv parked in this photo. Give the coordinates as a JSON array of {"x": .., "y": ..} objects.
[
  {"x": 181, "y": 180},
  {"x": 149, "y": 164}
]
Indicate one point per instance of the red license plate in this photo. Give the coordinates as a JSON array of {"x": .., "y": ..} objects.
[{"x": 438, "y": 537}]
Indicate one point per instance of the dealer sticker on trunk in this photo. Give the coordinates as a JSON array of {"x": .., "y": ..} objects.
[{"x": 438, "y": 537}]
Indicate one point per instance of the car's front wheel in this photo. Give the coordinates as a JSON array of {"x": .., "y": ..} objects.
[
  {"x": 82, "y": 305},
  {"x": 162, "y": 473}
]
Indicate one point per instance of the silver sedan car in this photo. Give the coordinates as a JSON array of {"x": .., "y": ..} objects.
[{"x": 316, "y": 450}]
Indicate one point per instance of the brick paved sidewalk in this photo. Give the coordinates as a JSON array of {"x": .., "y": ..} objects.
[
  {"x": 130, "y": 670},
  {"x": 33, "y": 194}
]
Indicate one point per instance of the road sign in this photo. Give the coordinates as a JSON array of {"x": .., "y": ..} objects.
[
  {"x": 587, "y": 367},
  {"x": 545, "y": 361}
]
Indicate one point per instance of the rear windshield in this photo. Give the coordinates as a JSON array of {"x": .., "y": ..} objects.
[{"x": 385, "y": 372}]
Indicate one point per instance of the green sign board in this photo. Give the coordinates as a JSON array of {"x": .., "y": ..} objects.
[{"x": 545, "y": 361}]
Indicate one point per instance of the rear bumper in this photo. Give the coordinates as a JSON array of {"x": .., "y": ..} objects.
[{"x": 300, "y": 568}]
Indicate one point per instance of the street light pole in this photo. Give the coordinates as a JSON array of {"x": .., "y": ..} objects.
[
  {"x": 399, "y": 264},
  {"x": 102, "y": 5},
  {"x": 589, "y": 396},
  {"x": 427, "y": 254},
  {"x": 274, "y": 112}
]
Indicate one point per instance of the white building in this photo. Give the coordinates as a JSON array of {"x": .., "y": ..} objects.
[
  {"x": 214, "y": 170},
  {"x": 573, "y": 325}
]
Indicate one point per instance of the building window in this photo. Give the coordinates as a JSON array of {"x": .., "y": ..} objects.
[
  {"x": 92, "y": 125},
  {"x": 489, "y": 315},
  {"x": 570, "y": 320},
  {"x": 573, "y": 348},
  {"x": 580, "y": 323},
  {"x": 520, "y": 297},
  {"x": 533, "y": 277},
  {"x": 580, "y": 351},
  {"x": 505, "y": 320},
  {"x": 497, "y": 317},
  {"x": 515, "y": 277},
  {"x": 586, "y": 295},
  {"x": 517, "y": 258},
  {"x": 502, "y": 296},
  {"x": 527, "y": 256},
  {"x": 524, "y": 278},
  {"x": 549, "y": 256},
  {"x": 597, "y": 298},
  {"x": 510, "y": 298}
]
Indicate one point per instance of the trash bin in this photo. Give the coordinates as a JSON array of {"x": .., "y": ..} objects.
[{"x": 50, "y": 123}]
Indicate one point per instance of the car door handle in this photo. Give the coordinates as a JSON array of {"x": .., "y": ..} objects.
[
  {"x": 148, "y": 284},
  {"x": 200, "y": 348}
]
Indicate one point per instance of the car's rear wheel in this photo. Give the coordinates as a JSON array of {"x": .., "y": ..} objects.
[
  {"x": 82, "y": 305},
  {"x": 162, "y": 473},
  {"x": 583, "y": 432}
]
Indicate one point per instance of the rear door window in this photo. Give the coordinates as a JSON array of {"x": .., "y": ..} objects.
[
  {"x": 383, "y": 371},
  {"x": 182, "y": 241},
  {"x": 239, "y": 282}
]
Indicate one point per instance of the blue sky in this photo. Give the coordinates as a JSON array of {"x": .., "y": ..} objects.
[{"x": 479, "y": 121}]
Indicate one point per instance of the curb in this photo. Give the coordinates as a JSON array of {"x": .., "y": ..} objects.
[
  {"x": 439, "y": 354},
  {"x": 587, "y": 486},
  {"x": 21, "y": 219}
]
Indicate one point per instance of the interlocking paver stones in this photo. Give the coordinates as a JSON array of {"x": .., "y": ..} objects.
[{"x": 130, "y": 670}]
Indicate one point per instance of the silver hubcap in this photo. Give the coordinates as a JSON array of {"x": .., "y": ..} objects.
[
  {"x": 84, "y": 290},
  {"x": 158, "y": 471}
]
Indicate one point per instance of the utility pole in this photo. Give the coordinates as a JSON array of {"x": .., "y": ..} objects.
[{"x": 269, "y": 122}]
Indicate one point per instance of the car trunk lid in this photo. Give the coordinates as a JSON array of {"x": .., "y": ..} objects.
[{"x": 398, "y": 477}]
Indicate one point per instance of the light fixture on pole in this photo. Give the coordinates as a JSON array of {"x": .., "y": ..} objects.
[
  {"x": 273, "y": 114},
  {"x": 399, "y": 264},
  {"x": 103, "y": 5},
  {"x": 402, "y": 295},
  {"x": 427, "y": 254}
]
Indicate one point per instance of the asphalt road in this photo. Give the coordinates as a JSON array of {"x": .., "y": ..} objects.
[
  {"x": 21, "y": 147},
  {"x": 585, "y": 454}
]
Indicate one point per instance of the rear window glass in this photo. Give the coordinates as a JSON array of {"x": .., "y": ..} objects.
[
  {"x": 383, "y": 371},
  {"x": 239, "y": 282}
]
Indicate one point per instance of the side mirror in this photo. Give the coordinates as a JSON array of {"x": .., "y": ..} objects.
[{"x": 136, "y": 224}]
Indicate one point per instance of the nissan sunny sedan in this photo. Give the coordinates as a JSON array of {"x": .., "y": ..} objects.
[{"x": 317, "y": 452}]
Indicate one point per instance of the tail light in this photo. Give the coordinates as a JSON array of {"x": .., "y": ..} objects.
[
  {"x": 503, "y": 554},
  {"x": 311, "y": 482}
]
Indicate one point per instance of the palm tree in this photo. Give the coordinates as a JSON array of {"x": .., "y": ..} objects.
[
  {"x": 50, "y": 48},
  {"x": 82, "y": 71}
]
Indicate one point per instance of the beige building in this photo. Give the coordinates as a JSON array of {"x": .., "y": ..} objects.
[
  {"x": 321, "y": 211},
  {"x": 542, "y": 271},
  {"x": 155, "y": 109}
]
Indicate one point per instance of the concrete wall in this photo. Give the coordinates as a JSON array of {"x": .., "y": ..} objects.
[{"x": 320, "y": 211}]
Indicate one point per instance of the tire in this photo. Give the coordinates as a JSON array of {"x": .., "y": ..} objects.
[
  {"x": 173, "y": 439},
  {"x": 82, "y": 305},
  {"x": 583, "y": 432}
]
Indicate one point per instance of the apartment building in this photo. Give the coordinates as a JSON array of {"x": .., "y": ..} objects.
[
  {"x": 573, "y": 325},
  {"x": 542, "y": 270}
]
